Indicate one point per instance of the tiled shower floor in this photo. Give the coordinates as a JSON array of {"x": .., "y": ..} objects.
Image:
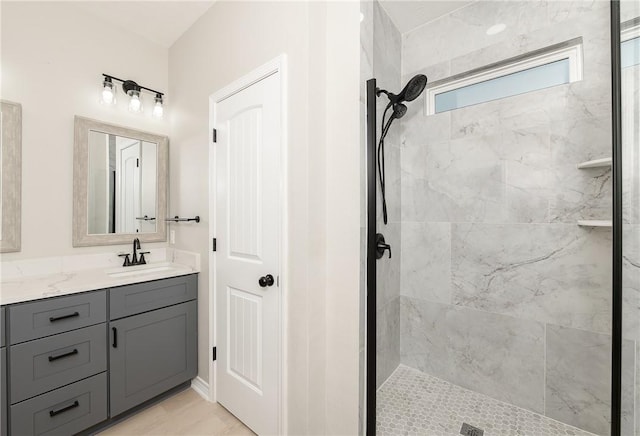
[{"x": 411, "y": 402}]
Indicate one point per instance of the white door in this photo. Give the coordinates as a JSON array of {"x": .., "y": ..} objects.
[
  {"x": 247, "y": 260},
  {"x": 128, "y": 189}
]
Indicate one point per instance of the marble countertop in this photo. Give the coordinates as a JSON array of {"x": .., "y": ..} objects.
[{"x": 19, "y": 289}]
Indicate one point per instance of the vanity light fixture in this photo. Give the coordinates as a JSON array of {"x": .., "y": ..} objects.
[{"x": 133, "y": 90}]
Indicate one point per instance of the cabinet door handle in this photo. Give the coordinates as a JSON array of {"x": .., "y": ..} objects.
[
  {"x": 115, "y": 337},
  {"x": 64, "y": 409},
  {"x": 60, "y": 356},
  {"x": 60, "y": 318}
]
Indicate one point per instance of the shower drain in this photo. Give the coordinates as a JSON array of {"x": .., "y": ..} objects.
[{"x": 469, "y": 430}]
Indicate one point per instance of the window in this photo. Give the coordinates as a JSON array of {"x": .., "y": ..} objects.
[
  {"x": 630, "y": 47},
  {"x": 542, "y": 69}
]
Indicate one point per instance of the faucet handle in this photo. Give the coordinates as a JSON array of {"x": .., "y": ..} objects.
[
  {"x": 127, "y": 262},
  {"x": 142, "y": 260}
]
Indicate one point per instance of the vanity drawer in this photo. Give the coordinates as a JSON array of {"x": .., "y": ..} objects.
[
  {"x": 65, "y": 411},
  {"x": 143, "y": 297},
  {"x": 46, "y": 364},
  {"x": 56, "y": 315},
  {"x": 2, "y": 326}
]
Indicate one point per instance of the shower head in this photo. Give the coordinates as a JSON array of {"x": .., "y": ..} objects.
[
  {"x": 414, "y": 88},
  {"x": 398, "y": 111},
  {"x": 410, "y": 92}
]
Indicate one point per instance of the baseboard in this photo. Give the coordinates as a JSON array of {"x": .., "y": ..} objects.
[{"x": 201, "y": 387}]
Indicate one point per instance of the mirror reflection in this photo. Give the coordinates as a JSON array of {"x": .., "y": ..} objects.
[{"x": 121, "y": 184}]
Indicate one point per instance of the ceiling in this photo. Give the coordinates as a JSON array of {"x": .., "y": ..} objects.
[
  {"x": 407, "y": 15},
  {"x": 162, "y": 22}
]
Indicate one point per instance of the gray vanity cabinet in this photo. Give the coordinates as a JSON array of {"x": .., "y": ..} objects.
[
  {"x": 73, "y": 362},
  {"x": 151, "y": 353}
]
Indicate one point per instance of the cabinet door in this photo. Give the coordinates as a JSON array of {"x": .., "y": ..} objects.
[{"x": 152, "y": 353}]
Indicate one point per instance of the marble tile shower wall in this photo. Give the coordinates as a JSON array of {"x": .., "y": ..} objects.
[
  {"x": 387, "y": 47},
  {"x": 380, "y": 57},
  {"x": 501, "y": 291}
]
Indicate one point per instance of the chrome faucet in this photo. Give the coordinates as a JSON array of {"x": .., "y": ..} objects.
[{"x": 134, "y": 260}]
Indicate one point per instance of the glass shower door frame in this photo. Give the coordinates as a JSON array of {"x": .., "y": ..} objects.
[
  {"x": 617, "y": 297},
  {"x": 371, "y": 287}
]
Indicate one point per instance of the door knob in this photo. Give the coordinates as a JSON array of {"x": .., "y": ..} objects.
[{"x": 265, "y": 281}]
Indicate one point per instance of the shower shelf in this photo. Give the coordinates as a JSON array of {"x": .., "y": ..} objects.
[
  {"x": 595, "y": 223},
  {"x": 596, "y": 163}
]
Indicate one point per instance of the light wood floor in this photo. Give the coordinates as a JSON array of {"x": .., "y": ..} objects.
[{"x": 184, "y": 414}]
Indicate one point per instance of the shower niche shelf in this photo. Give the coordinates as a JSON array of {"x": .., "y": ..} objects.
[
  {"x": 595, "y": 223},
  {"x": 596, "y": 163}
]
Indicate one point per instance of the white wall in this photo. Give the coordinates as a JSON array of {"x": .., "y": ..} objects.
[
  {"x": 321, "y": 43},
  {"x": 343, "y": 216},
  {"x": 53, "y": 56}
]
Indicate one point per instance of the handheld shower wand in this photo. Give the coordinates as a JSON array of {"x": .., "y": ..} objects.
[{"x": 410, "y": 92}]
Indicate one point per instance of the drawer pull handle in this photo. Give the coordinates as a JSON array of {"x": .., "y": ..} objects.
[
  {"x": 60, "y": 318},
  {"x": 115, "y": 337},
  {"x": 60, "y": 356},
  {"x": 64, "y": 409}
]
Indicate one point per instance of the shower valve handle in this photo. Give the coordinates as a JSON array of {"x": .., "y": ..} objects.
[{"x": 381, "y": 246}]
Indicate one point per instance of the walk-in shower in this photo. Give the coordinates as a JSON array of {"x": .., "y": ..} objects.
[{"x": 509, "y": 193}]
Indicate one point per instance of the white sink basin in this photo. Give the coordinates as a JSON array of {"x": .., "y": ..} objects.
[{"x": 141, "y": 269}]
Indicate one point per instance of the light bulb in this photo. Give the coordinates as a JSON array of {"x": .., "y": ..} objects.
[
  {"x": 158, "y": 110},
  {"x": 135, "y": 105},
  {"x": 107, "y": 95}
]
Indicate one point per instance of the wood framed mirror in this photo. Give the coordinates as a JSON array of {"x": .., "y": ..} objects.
[{"x": 120, "y": 184}]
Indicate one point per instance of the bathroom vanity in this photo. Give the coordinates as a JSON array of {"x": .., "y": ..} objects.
[{"x": 79, "y": 360}]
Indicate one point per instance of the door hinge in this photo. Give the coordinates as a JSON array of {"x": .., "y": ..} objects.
[
  {"x": 215, "y": 135},
  {"x": 137, "y": 163},
  {"x": 214, "y": 353},
  {"x": 214, "y": 244}
]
